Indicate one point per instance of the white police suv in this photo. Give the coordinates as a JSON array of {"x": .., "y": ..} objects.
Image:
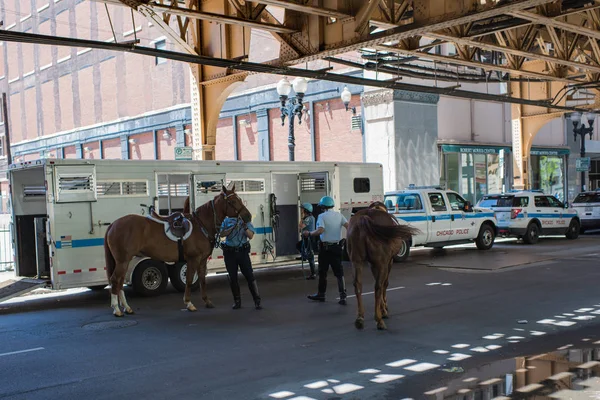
[
  {"x": 530, "y": 214},
  {"x": 443, "y": 217},
  {"x": 587, "y": 205}
]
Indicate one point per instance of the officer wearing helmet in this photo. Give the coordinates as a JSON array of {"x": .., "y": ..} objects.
[
  {"x": 236, "y": 253},
  {"x": 306, "y": 245},
  {"x": 329, "y": 228}
]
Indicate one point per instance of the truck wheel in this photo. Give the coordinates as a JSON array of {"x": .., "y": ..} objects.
[
  {"x": 150, "y": 278},
  {"x": 486, "y": 237},
  {"x": 573, "y": 231},
  {"x": 532, "y": 234},
  {"x": 177, "y": 275},
  {"x": 403, "y": 253}
]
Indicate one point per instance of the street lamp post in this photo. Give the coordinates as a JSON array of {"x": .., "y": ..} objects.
[
  {"x": 582, "y": 131},
  {"x": 292, "y": 107}
]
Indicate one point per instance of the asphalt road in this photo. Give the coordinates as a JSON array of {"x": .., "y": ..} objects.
[{"x": 71, "y": 347}]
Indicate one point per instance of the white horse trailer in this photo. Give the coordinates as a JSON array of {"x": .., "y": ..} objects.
[{"x": 61, "y": 209}]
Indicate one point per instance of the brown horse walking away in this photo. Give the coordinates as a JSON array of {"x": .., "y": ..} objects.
[
  {"x": 374, "y": 237},
  {"x": 134, "y": 235}
]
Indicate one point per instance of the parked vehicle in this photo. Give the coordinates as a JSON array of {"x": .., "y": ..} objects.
[
  {"x": 61, "y": 209},
  {"x": 587, "y": 205},
  {"x": 443, "y": 217},
  {"x": 529, "y": 215}
]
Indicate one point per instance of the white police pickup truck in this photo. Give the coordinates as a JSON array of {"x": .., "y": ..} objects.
[
  {"x": 530, "y": 214},
  {"x": 443, "y": 217}
]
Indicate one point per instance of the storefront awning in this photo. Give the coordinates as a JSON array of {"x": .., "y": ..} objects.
[
  {"x": 539, "y": 151},
  {"x": 457, "y": 148}
]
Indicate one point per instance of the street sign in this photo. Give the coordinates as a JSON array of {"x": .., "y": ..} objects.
[
  {"x": 582, "y": 164},
  {"x": 183, "y": 153}
]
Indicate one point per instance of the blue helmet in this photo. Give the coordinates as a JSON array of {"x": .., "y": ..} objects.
[
  {"x": 308, "y": 207},
  {"x": 326, "y": 201}
]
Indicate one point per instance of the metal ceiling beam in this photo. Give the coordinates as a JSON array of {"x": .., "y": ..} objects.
[
  {"x": 418, "y": 29},
  {"x": 474, "y": 64},
  {"x": 508, "y": 50},
  {"x": 540, "y": 19},
  {"x": 11, "y": 36},
  {"x": 324, "y": 12},
  {"x": 206, "y": 16}
]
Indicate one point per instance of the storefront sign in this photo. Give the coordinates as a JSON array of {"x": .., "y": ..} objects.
[
  {"x": 183, "y": 153},
  {"x": 549, "y": 152},
  {"x": 582, "y": 164},
  {"x": 451, "y": 148}
]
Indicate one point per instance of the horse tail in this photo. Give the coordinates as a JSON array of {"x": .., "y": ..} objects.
[
  {"x": 186, "y": 206},
  {"x": 111, "y": 263},
  {"x": 385, "y": 233}
]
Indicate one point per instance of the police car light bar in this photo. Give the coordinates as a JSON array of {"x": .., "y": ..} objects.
[{"x": 436, "y": 187}]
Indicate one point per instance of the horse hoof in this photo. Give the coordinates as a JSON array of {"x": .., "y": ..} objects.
[
  {"x": 129, "y": 311},
  {"x": 117, "y": 313},
  {"x": 210, "y": 305},
  {"x": 381, "y": 326},
  {"x": 359, "y": 323}
]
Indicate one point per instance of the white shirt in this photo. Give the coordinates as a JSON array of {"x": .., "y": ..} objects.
[{"x": 332, "y": 222}]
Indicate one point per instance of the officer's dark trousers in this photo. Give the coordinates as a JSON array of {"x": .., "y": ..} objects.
[
  {"x": 233, "y": 260},
  {"x": 331, "y": 255}
]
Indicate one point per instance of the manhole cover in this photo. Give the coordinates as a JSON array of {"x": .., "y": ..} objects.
[{"x": 100, "y": 326}]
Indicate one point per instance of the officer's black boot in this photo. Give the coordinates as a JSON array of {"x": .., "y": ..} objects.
[
  {"x": 342, "y": 290},
  {"x": 320, "y": 295},
  {"x": 311, "y": 263},
  {"x": 237, "y": 298},
  {"x": 254, "y": 291}
]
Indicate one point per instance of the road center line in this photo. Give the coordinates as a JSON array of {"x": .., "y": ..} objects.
[
  {"x": 21, "y": 351},
  {"x": 389, "y": 290}
]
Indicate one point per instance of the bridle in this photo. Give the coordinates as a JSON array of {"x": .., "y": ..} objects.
[{"x": 219, "y": 224}]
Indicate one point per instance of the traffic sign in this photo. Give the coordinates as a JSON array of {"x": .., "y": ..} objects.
[
  {"x": 582, "y": 164},
  {"x": 183, "y": 153}
]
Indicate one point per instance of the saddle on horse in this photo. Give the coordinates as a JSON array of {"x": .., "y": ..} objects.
[{"x": 177, "y": 226}]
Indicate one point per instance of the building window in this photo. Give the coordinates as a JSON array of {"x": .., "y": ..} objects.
[
  {"x": 2, "y": 138},
  {"x": 362, "y": 185},
  {"x": 160, "y": 45}
]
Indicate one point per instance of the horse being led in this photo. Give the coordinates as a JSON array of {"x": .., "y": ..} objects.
[
  {"x": 374, "y": 237},
  {"x": 134, "y": 235}
]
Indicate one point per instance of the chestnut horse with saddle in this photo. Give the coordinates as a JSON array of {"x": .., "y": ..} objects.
[
  {"x": 374, "y": 237},
  {"x": 178, "y": 237}
]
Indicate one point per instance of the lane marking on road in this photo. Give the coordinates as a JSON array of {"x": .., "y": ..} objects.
[
  {"x": 21, "y": 351},
  {"x": 365, "y": 293},
  {"x": 281, "y": 395}
]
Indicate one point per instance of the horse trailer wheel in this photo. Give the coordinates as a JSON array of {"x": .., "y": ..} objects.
[
  {"x": 485, "y": 239},
  {"x": 150, "y": 278},
  {"x": 574, "y": 228},
  {"x": 177, "y": 275},
  {"x": 403, "y": 253},
  {"x": 532, "y": 235}
]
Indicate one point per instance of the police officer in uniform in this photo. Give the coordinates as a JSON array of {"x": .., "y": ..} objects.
[
  {"x": 329, "y": 228},
  {"x": 236, "y": 253},
  {"x": 306, "y": 245}
]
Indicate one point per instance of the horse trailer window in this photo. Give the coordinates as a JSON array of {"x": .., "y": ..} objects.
[
  {"x": 34, "y": 192},
  {"x": 117, "y": 189},
  {"x": 139, "y": 188},
  {"x": 362, "y": 185},
  {"x": 173, "y": 189},
  {"x": 108, "y": 188},
  {"x": 74, "y": 184},
  {"x": 248, "y": 185},
  {"x": 312, "y": 184},
  {"x": 208, "y": 187}
]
